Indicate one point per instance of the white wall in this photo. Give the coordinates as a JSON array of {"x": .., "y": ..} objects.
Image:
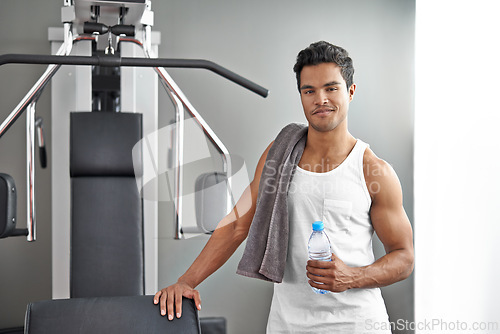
[{"x": 456, "y": 165}]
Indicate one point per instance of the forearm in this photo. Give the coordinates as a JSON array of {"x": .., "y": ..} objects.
[
  {"x": 226, "y": 238},
  {"x": 219, "y": 248},
  {"x": 390, "y": 268}
]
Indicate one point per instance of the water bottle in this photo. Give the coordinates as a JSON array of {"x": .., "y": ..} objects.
[{"x": 319, "y": 247}]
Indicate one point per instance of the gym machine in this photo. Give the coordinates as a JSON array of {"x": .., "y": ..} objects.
[
  {"x": 101, "y": 32},
  {"x": 84, "y": 16}
]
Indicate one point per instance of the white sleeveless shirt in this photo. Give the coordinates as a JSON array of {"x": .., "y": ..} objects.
[{"x": 341, "y": 200}]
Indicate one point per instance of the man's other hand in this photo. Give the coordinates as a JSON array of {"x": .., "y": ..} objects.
[
  {"x": 334, "y": 275},
  {"x": 170, "y": 299}
]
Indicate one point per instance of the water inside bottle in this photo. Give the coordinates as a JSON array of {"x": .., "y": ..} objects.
[
  {"x": 319, "y": 248},
  {"x": 320, "y": 256}
]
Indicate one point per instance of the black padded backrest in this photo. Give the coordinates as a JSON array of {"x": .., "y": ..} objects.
[
  {"x": 107, "y": 253},
  {"x": 108, "y": 315},
  {"x": 102, "y": 142}
]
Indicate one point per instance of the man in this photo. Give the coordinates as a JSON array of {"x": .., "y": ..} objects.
[{"x": 335, "y": 178}]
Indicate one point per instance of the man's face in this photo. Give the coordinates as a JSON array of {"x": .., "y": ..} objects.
[{"x": 324, "y": 96}]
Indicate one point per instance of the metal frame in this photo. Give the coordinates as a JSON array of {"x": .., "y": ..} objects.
[
  {"x": 30, "y": 170},
  {"x": 180, "y": 101},
  {"x": 29, "y": 102}
]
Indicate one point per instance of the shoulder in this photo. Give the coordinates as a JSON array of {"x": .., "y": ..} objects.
[
  {"x": 373, "y": 165},
  {"x": 290, "y": 131},
  {"x": 294, "y": 127},
  {"x": 380, "y": 177}
]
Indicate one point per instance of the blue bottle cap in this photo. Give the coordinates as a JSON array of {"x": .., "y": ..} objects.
[{"x": 318, "y": 226}]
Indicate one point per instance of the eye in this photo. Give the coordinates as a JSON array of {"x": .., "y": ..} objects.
[
  {"x": 331, "y": 89},
  {"x": 307, "y": 92}
]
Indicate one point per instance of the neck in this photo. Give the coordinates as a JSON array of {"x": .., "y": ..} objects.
[{"x": 334, "y": 142}]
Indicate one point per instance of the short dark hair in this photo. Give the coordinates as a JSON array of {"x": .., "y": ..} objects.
[{"x": 324, "y": 52}]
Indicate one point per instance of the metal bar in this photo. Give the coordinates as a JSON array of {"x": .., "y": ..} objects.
[
  {"x": 28, "y": 98},
  {"x": 175, "y": 91},
  {"x": 30, "y": 172},
  {"x": 179, "y": 160},
  {"x": 171, "y": 87},
  {"x": 29, "y": 102},
  {"x": 179, "y": 143},
  {"x": 115, "y": 61},
  {"x": 179, "y": 168},
  {"x": 37, "y": 88},
  {"x": 179, "y": 139}
]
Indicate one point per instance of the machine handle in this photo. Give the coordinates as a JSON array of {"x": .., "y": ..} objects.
[
  {"x": 43, "y": 157},
  {"x": 115, "y": 61},
  {"x": 19, "y": 232},
  {"x": 41, "y": 142}
]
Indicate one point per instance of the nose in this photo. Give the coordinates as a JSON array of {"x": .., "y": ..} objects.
[{"x": 321, "y": 98}]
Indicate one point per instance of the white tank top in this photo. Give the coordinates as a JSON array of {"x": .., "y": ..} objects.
[{"x": 341, "y": 200}]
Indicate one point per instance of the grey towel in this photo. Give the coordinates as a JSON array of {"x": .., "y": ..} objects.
[{"x": 267, "y": 244}]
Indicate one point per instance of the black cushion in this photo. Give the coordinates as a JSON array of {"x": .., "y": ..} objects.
[
  {"x": 108, "y": 315},
  {"x": 7, "y": 205},
  {"x": 213, "y": 325},
  {"x": 106, "y": 210},
  {"x": 14, "y": 330},
  {"x": 102, "y": 142},
  {"x": 106, "y": 237}
]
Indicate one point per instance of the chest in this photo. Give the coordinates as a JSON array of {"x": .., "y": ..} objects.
[
  {"x": 342, "y": 188},
  {"x": 320, "y": 164},
  {"x": 341, "y": 201}
]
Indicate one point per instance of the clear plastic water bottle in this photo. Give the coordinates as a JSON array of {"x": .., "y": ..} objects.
[{"x": 319, "y": 247}]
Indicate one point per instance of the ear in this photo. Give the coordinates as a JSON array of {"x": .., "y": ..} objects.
[{"x": 352, "y": 89}]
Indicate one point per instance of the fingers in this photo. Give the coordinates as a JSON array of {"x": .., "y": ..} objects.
[
  {"x": 156, "y": 298},
  {"x": 178, "y": 306},
  {"x": 170, "y": 299},
  {"x": 161, "y": 297},
  {"x": 322, "y": 264},
  {"x": 317, "y": 271},
  {"x": 170, "y": 306},
  {"x": 317, "y": 285},
  {"x": 195, "y": 295},
  {"x": 317, "y": 278}
]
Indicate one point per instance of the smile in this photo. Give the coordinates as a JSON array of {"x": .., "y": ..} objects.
[{"x": 322, "y": 111}]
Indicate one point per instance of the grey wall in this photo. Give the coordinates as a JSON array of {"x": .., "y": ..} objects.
[
  {"x": 25, "y": 268},
  {"x": 258, "y": 39}
]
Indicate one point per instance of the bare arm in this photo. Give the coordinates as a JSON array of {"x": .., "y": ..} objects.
[
  {"x": 391, "y": 223},
  {"x": 231, "y": 231}
]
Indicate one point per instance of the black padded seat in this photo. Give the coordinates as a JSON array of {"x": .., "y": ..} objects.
[{"x": 108, "y": 315}]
